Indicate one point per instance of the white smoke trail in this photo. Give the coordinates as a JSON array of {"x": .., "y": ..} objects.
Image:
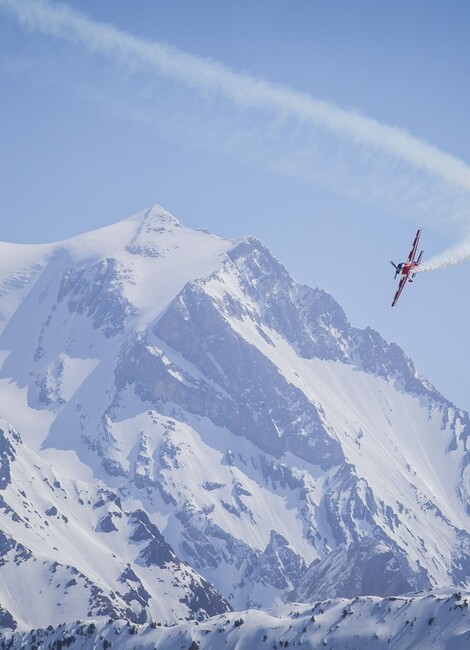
[
  {"x": 450, "y": 257},
  {"x": 243, "y": 90}
]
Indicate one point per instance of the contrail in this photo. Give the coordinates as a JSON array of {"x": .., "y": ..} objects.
[
  {"x": 245, "y": 91},
  {"x": 371, "y": 142}
]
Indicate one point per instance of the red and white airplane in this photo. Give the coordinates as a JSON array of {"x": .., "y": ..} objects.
[{"x": 407, "y": 269}]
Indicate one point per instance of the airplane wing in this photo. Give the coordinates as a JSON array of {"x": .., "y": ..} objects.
[
  {"x": 414, "y": 248},
  {"x": 401, "y": 286}
]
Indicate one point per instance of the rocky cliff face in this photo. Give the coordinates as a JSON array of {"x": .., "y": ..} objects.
[
  {"x": 69, "y": 549},
  {"x": 247, "y": 428}
]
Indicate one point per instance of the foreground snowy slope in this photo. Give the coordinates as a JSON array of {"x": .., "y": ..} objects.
[
  {"x": 428, "y": 621},
  {"x": 281, "y": 452}
]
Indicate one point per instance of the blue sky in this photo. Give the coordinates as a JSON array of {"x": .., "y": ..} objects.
[{"x": 93, "y": 133}]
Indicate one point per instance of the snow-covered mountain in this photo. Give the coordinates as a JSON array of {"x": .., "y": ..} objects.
[{"x": 182, "y": 398}]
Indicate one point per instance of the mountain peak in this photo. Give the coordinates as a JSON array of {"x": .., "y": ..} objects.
[
  {"x": 155, "y": 222},
  {"x": 157, "y": 214}
]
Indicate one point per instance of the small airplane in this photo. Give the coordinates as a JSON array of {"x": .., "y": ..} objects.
[{"x": 407, "y": 269}]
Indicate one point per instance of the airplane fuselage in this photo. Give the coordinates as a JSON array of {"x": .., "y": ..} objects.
[{"x": 405, "y": 268}]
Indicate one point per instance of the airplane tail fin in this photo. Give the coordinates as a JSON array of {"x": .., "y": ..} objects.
[{"x": 420, "y": 257}]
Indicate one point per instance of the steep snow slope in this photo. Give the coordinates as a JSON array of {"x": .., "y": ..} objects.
[
  {"x": 240, "y": 411},
  {"x": 64, "y": 305}
]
